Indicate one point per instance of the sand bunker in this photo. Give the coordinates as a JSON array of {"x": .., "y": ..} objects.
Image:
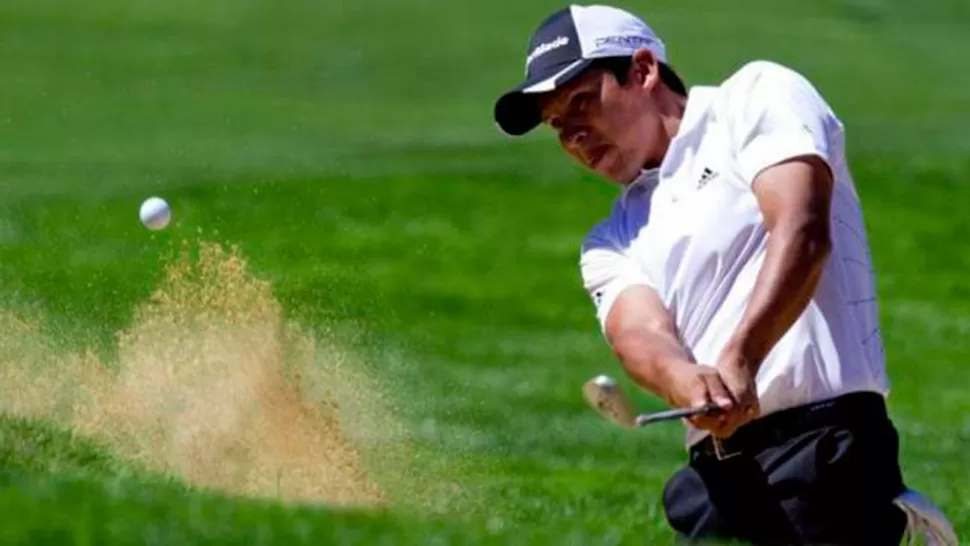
[{"x": 210, "y": 384}]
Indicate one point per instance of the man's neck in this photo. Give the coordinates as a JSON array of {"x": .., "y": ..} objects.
[{"x": 671, "y": 106}]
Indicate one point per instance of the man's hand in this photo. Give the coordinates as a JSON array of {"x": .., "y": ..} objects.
[
  {"x": 730, "y": 385},
  {"x": 695, "y": 386}
]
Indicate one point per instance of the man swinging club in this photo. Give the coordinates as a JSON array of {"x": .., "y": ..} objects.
[{"x": 733, "y": 269}]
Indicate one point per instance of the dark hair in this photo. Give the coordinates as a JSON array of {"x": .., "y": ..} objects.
[{"x": 620, "y": 66}]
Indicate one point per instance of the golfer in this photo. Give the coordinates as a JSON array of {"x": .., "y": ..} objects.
[{"x": 733, "y": 269}]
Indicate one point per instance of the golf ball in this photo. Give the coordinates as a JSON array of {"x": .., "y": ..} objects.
[{"x": 155, "y": 213}]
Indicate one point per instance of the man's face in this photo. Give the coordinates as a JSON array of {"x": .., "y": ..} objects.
[{"x": 608, "y": 127}]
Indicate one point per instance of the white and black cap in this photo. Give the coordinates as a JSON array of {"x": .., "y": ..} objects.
[{"x": 564, "y": 45}]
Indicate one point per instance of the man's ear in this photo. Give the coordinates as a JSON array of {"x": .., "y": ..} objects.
[{"x": 645, "y": 69}]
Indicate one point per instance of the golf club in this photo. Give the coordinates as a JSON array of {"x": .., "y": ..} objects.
[{"x": 606, "y": 397}]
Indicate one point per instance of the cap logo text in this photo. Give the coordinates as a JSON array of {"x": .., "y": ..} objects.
[
  {"x": 624, "y": 41},
  {"x": 542, "y": 49}
]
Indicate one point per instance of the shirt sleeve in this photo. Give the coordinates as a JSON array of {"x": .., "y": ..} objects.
[
  {"x": 607, "y": 270},
  {"x": 776, "y": 114}
]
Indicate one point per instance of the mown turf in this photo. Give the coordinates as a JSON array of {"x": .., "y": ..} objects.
[
  {"x": 348, "y": 149},
  {"x": 65, "y": 490}
]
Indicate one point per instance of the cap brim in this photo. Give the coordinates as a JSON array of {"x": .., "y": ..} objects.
[{"x": 517, "y": 111}]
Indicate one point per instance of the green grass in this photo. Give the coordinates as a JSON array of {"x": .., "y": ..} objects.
[{"x": 348, "y": 149}]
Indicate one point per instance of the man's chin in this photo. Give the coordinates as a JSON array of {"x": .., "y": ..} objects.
[
  {"x": 617, "y": 176},
  {"x": 606, "y": 167}
]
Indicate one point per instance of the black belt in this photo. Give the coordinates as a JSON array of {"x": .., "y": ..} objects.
[{"x": 848, "y": 410}]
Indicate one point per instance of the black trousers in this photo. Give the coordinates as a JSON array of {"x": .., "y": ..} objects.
[{"x": 820, "y": 474}]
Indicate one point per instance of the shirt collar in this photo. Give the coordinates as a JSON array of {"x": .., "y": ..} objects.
[
  {"x": 645, "y": 180},
  {"x": 699, "y": 100}
]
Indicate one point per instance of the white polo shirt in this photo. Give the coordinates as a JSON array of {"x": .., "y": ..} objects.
[{"x": 692, "y": 230}]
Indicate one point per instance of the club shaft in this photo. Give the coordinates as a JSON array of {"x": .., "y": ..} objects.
[{"x": 674, "y": 414}]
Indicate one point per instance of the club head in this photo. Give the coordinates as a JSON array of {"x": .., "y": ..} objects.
[{"x": 605, "y": 396}]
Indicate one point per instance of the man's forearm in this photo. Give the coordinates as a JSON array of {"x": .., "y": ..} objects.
[
  {"x": 651, "y": 358},
  {"x": 794, "y": 261}
]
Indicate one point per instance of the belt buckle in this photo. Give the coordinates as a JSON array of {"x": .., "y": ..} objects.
[{"x": 719, "y": 452}]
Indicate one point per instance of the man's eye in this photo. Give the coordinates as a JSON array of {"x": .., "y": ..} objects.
[{"x": 583, "y": 100}]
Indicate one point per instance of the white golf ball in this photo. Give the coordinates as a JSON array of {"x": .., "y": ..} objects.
[{"x": 155, "y": 213}]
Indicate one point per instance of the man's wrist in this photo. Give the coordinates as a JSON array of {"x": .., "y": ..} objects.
[
  {"x": 672, "y": 371},
  {"x": 742, "y": 353}
]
